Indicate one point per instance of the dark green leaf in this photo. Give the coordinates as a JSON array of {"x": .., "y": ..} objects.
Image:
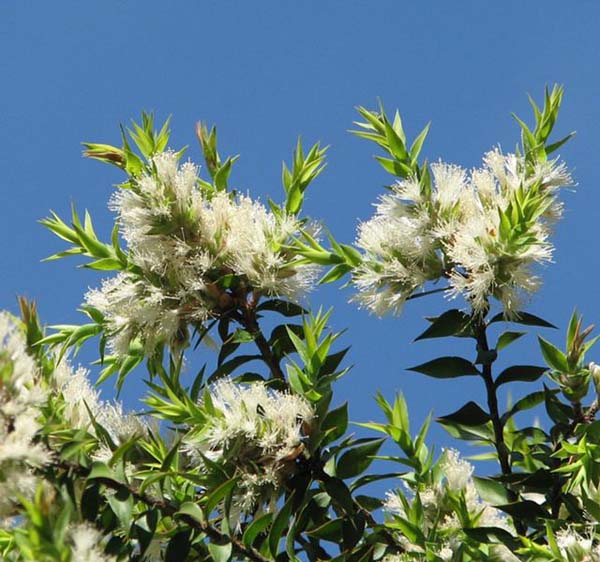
[
  {"x": 229, "y": 366},
  {"x": 525, "y": 403},
  {"x": 524, "y": 510},
  {"x": 285, "y": 308},
  {"x": 259, "y": 525},
  {"x": 335, "y": 424},
  {"x": 523, "y": 373},
  {"x": 220, "y": 493},
  {"x": 559, "y": 413},
  {"x": 524, "y": 318},
  {"x": 179, "y": 547},
  {"x": 352, "y": 530},
  {"x": 493, "y": 535},
  {"x": 280, "y": 523},
  {"x": 507, "y": 338},
  {"x": 355, "y": 461},
  {"x": 340, "y": 494},
  {"x": 470, "y": 415},
  {"x": 446, "y": 368},
  {"x": 368, "y": 478},
  {"x": 451, "y": 323},
  {"x": 329, "y": 531}
]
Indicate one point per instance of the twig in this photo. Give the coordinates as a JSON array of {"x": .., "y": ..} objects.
[{"x": 170, "y": 509}]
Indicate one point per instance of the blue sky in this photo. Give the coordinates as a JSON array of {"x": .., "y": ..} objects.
[{"x": 265, "y": 72}]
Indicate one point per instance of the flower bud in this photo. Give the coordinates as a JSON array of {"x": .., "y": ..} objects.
[{"x": 595, "y": 374}]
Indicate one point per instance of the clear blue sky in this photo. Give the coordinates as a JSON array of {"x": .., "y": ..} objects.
[{"x": 265, "y": 72}]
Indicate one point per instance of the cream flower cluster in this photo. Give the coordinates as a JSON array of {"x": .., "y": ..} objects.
[
  {"x": 82, "y": 402},
  {"x": 85, "y": 545},
  {"x": 455, "y": 230},
  {"x": 254, "y": 431},
  {"x": 576, "y": 548},
  {"x": 21, "y": 397},
  {"x": 438, "y": 510},
  {"x": 185, "y": 241}
]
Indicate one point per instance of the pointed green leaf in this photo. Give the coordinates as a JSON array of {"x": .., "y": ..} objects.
[{"x": 446, "y": 368}]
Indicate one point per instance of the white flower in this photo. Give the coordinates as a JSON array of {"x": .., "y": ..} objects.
[
  {"x": 86, "y": 543},
  {"x": 456, "y": 230},
  {"x": 82, "y": 403},
  {"x": 20, "y": 399},
  {"x": 255, "y": 431},
  {"x": 577, "y": 548},
  {"x": 457, "y": 471},
  {"x": 184, "y": 242},
  {"x": 438, "y": 501}
]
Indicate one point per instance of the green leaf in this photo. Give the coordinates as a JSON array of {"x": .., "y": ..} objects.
[
  {"x": 553, "y": 356},
  {"x": 525, "y": 403},
  {"x": 368, "y": 478},
  {"x": 491, "y": 490},
  {"x": 493, "y": 535},
  {"x": 242, "y": 336},
  {"x": 524, "y": 510},
  {"x": 219, "y": 552},
  {"x": 179, "y": 547},
  {"x": 121, "y": 502},
  {"x": 280, "y": 522},
  {"x": 451, "y": 323},
  {"x": 556, "y": 145},
  {"x": 507, "y": 338},
  {"x": 355, "y": 461},
  {"x": 285, "y": 308},
  {"x": 105, "y": 264},
  {"x": 335, "y": 424},
  {"x": 193, "y": 510},
  {"x": 328, "y": 531},
  {"x": 352, "y": 530},
  {"x": 559, "y": 413},
  {"x": 446, "y": 368},
  {"x": 220, "y": 493},
  {"x": 257, "y": 526},
  {"x": 101, "y": 471},
  {"x": 340, "y": 494},
  {"x": 469, "y": 415},
  {"x": 522, "y": 373},
  {"x": 524, "y": 318},
  {"x": 230, "y": 366}
]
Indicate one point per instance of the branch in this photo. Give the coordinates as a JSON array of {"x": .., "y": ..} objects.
[
  {"x": 168, "y": 508},
  {"x": 249, "y": 322},
  {"x": 492, "y": 401}
]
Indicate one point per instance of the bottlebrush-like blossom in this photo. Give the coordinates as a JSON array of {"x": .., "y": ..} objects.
[
  {"x": 255, "y": 433},
  {"x": 483, "y": 230},
  {"x": 81, "y": 402},
  {"x": 576, "y": 548},
  {"x": 86, "y": 545},
  {"x": 196, "y": 252},
  {"x": 21, "y": 397},
  {"x": 439, "y": 509}
]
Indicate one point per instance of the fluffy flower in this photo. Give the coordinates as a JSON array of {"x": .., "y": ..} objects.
[
  {"x": 483, "y": 230},
  {"x": 81, "y": 401},
  {"x": 439, "y": 506},
  {"x": 255, "y": 432},
  {"x": 86, "y": 545},
  {"x": 185, "y": 242},
  {"x": 20, "y": 400},
  {"x": 576, "y": 548}
]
